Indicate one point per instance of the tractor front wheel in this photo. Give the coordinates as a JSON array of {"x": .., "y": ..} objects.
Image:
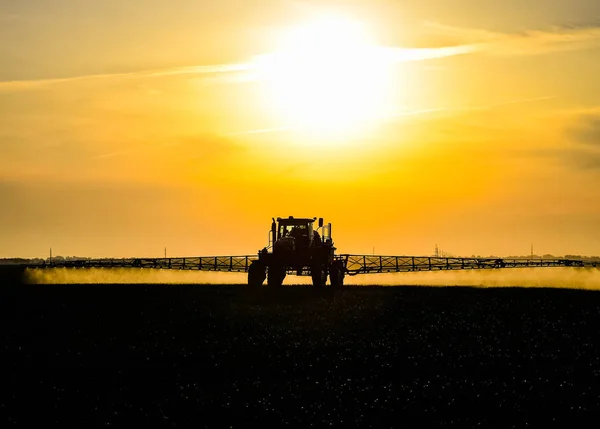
[
  {"x": 275, "y": 276},
  {"x": 256, "y": 274},
  {"x": 319, "y": 276}
]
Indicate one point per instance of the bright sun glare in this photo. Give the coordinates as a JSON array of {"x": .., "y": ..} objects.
[{"x": 327, "y": 79}]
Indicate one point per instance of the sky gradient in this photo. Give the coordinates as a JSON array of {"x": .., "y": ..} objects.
[{"x": 129, "y": 126}]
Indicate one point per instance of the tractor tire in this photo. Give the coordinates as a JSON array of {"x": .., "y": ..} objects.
[
  {"x": 275, "y": 276},
  {"x": 256, "y": 274},
  {"x": 336, "y": 274},
  {"x": 319, "y": 276}
]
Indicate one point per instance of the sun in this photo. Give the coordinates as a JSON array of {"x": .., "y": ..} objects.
[{"x": 328, "y": 79}]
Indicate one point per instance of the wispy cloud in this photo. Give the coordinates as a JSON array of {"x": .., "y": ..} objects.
[
  {"x": 461, "y": 41},
  {"x": 519, "y": 101},
  {"x": 391, "y": 54},
  {"x": 579, "y": 141},
  {"x": 9, "y": 16},
  {"x": 531, "y": 42},
  {"x": 260, "y": 131},
  {"x": 408, "y": 113},
  {"x": 16, "y": 85},
  {"x": 587, "y": 131},
  {"x": 417, "y": 112},
  {"x": 110, "y": 154},
  {"x": 465, "y": 109},
  {"x": 420, "y": 54}
]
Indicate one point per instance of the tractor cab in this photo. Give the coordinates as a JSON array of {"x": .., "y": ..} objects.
[
  {"x": 296, "y": 233},
  {"x": 299, "y": 229}
]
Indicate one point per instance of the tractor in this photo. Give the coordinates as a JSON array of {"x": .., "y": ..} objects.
[{"x": 296, "y": 247}]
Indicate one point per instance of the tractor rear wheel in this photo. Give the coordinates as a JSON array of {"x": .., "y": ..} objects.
[
  {"x": 256, "y": 274},
  {"x": 336, "y": 274},
  {"x": 275, "y": 276}
]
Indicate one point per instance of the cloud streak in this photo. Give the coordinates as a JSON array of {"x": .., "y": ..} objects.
[
  {"x": 17, "y": 85},
  {"x": 587, "y": 131},
  {"x": 507, "y": 103},
  {"x": 409, "y": 113},
  {"x": 462, "y": 41},
  {"x": 260, "y": 131},
  {"x": 585, "y": 134},
  {"x": 531, "y": 42},
  {"x": 400, "y": 55},
  {"x": 391, "y": 54}
]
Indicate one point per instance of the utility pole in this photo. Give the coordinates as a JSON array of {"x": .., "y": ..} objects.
[
  {"x": 531, "y": 250},
  {"x": 165, "y": 252},
  {"x": 51, "y": 255}
]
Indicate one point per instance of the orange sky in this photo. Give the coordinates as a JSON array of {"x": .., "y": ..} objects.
[{"x": 126, "y": 128}]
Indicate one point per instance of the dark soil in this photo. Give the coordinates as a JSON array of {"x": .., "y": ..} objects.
[{"x": 222, "y": 356}]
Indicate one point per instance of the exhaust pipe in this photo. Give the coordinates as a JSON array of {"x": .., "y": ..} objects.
[{"x": 274, "y": 231}]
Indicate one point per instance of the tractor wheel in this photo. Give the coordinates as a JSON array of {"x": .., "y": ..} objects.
[
  {"x": 275, "y": 276},
  {"x": 319, "y": 276},
  {"x": 256, "y": 274},
  {"x": 336, "y": 275}
]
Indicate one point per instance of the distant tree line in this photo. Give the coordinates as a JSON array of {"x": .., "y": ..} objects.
[
  {"x": 19, "y": 261},
  {"x": 545, "y": 256}
]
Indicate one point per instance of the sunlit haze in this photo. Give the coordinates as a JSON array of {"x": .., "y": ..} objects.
[{"x": 131, "y": 127}]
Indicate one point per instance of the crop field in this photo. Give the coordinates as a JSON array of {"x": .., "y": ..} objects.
[{"x": 230, "y": 356}]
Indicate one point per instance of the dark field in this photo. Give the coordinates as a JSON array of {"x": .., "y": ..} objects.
[{"x": 221, "y": 356}]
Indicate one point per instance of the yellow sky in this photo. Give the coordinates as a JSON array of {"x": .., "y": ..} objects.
[{"x": 126, "y": 128}]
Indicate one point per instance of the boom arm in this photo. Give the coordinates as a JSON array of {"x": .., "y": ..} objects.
[{"x": 353, "y": 264}]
